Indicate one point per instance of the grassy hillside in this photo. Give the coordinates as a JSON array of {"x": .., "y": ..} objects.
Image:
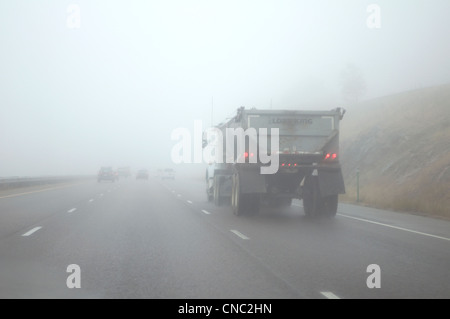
[{"x": 401, "y": 145}]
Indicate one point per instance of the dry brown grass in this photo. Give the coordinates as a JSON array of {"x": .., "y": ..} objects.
[{"x": 401, "y": 145}]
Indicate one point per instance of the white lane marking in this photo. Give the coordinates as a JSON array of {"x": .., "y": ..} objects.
[
  {"x": 297, "y": 205},
  {"x": 32, "y": 231},
  {"x": 71, "y": 210},
  {"x": 329, "y": 295},
  {"x": 91, "y": 200},
  {"x": 390, "y": 226},
  {"x": 239, "y": 234},
  {"x": 189, "y": 202},
  {"x": 394, "y": 227},
  {"x": 206, "y": 212}
]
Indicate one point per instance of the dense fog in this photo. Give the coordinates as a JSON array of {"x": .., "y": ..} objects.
[{"x": 85, "y": 84}]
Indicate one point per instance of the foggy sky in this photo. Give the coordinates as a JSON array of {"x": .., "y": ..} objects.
[{"x": 112, "y": 91}]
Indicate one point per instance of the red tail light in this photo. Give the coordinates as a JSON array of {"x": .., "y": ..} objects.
[{"x": 330, "y": 156}]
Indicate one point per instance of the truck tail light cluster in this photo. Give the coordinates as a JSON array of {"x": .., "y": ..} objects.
[
  {"x": 289, "y": 164},
  {"x": 330, "y": 156}
]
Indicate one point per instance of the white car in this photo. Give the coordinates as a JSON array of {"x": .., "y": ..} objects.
[{"x": 168, "y": 173}]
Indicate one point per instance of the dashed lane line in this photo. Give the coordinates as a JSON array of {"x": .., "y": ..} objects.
[
  {"x": 329, "y": 295},
  {"x": 239, "y": 234},
  {"x": 31, "y": 231}
]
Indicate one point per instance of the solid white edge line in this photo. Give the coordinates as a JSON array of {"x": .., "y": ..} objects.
[
  {"x": 71, "y": 210},
  {"x": 390, "y": 226},
  {"x": 329, "y": 295},
  {"x": 205, "y": 212},
  {"x": 32, "y": 231},
  {"x": 189, "y": 202},
  {"x": 394, "y": 227},
  {"x": 237, "y": 233}
]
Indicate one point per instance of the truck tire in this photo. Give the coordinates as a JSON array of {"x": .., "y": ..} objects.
[
  {"x": 238, "y": 200},
  {"x": 312, "y": 203},
  {"x": 330, "y": 205},
  {"x": 209, "y": 196},
  {"x": 217, "y": 200}
]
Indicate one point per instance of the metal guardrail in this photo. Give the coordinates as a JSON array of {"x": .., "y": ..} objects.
[{"x": 17, "y": 182}]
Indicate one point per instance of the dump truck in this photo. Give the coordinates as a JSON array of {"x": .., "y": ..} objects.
[{"x": 270, "y": 157}]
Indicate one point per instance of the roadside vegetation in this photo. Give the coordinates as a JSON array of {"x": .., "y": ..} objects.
[{"x": 401, "y": 146}]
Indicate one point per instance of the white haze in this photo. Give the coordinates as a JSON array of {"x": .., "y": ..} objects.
[{"x": 112, "y": 91}]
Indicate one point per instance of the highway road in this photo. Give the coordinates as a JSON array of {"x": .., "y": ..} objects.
[{"x": 162, "y": 239}]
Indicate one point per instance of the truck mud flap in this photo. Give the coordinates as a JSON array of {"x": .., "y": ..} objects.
[
  {"x": 331, "y": 182},
  {"x": 252, "y": 182}
]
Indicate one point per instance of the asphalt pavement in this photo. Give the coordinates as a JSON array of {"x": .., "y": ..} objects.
[{"x": 163, "y": 239}]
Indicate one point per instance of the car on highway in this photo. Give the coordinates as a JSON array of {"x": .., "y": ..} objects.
[
  {"x": 142, "y": 174},
  {"x": 106, "y": 173},
  {"x": 168, "y": 173}
]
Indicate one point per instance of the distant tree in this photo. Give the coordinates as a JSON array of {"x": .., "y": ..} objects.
[{"x": 353, "y": 85}]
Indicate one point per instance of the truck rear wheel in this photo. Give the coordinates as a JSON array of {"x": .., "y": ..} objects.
[
  {"x": 236, "y": 202},
  {"x": 239, "y": 202},
  {"x": 311, "y": 197},
  {"x": 315, "y": 205},
  {"x": 217, "y": 199},
  {"x": 330, "y": 205},
  {"x": 209, "y": 196}
]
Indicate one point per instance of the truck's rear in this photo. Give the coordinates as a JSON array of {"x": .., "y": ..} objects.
[{"x": 308, "y": 161}]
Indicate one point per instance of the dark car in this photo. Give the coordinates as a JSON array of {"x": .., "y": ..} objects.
[
  {"x": 142, "y": 174},
  {"x": 106, "y": 174}
]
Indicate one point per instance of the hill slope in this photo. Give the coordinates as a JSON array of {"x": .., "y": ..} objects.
[{"x": 401, "y": 145}]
